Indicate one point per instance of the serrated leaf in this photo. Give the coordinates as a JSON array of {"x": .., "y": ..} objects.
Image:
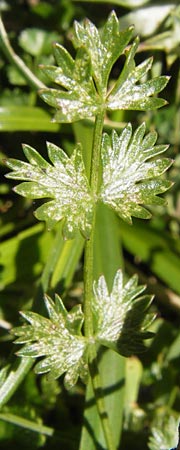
[
  {"x": 80, "y": 98},
  {"x": 119, "y": 316},
  {"x": 166, "y": 439},
  {"x": 104, "y": 47},
  {"x": 130, "y": 175},
  {"x": 65, "y": 182},
  {"x": 85, "y": 79},
  {"x": 70, "y": 107},
  {"x": 57, "y": 339},
  {"x": 127, "y": 94}
]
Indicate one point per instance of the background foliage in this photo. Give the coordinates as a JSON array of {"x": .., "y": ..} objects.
[{"x": 151, "y": 249}]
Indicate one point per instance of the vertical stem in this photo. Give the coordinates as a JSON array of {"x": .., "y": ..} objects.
[
  {"x": 88, "y": 285},
  {"x": 5, "y": 45},
  {"x": 99, "y": 396},
  {"x": 88, "y": 257}
]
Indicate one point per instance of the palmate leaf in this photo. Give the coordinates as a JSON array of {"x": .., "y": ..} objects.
[
  {"x": 57, "y": 339},
  {"x": 130, "y": 175},
  {"x": 120, "y": 323},
  {"x": 85, "y": 78},
  {"x": 120, "y": 319},
  {"x": 64, "y": 181},
  {"x": 83, "y": 81}
]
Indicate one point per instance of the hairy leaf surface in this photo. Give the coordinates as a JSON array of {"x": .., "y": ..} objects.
[
  {"x": 129, "y": 93},
  {"x": 80, "y": 98},
  {"x": 57, "y": 339},
  {"x": 166, "y": 439},
  {"x": 120, "y": 323},
  {"x": 104, "y": 47},
  {"x": 120, "y": 316},
  {"x": 84, "y": 81},
  {"x": 130, "y": 175},
  {"x": 64, "y": 181}
]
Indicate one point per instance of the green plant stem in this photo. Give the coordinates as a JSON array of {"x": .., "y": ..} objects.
[
  {"x": 14, "y": 379},
  {"x": 88, "y": 257},
  {"x": 29, "y": 76},
  {"x": 28, "y": 424},
  {"x": 88, "y": 286},
  {"x": 98, "y": 393}
]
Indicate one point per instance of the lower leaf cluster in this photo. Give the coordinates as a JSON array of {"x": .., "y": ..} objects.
[{"x": 120, "y": 323}]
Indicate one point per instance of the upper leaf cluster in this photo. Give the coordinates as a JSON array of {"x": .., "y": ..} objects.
[{"x": 84, "y": 81}]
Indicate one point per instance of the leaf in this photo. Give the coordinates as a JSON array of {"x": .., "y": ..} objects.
[
  {"x": 65, "y": 182},
  {"x": 130, "y": 175},
  {"x": 166, "y": 439},
  {"x": 127, "y": 94},
  {"x": 119, "y": 316},
  {"x": 80, "y": 99},
  {"x": 125, "y": 3},
  {"x": 140, "y": 18},
  {"x": 142, "y": 241},
  {"x": 15, "y": 77},
  {"x": 84, "y": 80},
  {"x": 25, "y": 118},
  {"x": 68, "y": 253},
  {"x": 36, "y": 41},
  {"x": 174, "y": 349},
  {"x": 24, "y": 246},
  {"x": 111, "y": 368},
  {"x": 104, "y": 48},
  {"x": 57, "y": 339},
  {"x": 134, "y": 371}
]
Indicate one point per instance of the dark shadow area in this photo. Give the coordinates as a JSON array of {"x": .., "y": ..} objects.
[
  {"x": 134, "y": 440},
  {"x": 27, "y": 256},
  {"x": 91, "y": 433},
  {"x": 105, "y": 391}
]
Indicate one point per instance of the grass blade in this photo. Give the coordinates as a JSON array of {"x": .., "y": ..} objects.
[{"x": 106, "y": 242}]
